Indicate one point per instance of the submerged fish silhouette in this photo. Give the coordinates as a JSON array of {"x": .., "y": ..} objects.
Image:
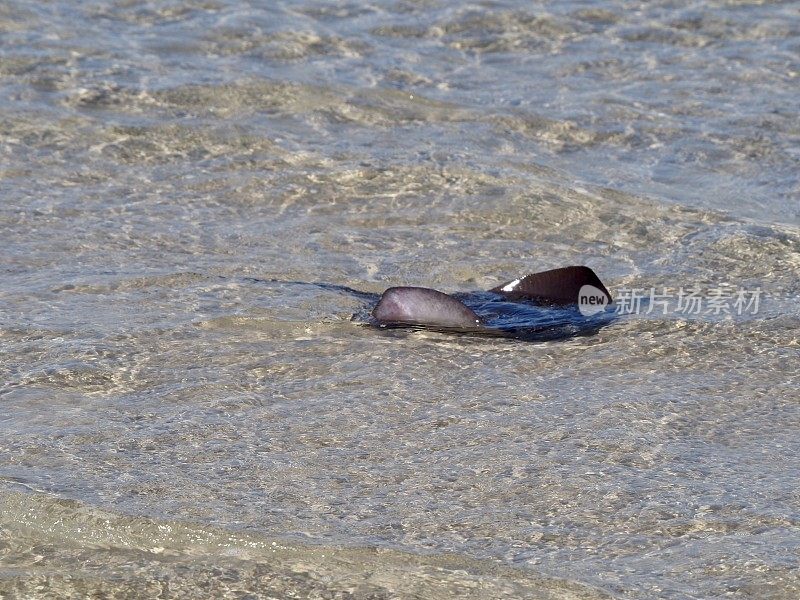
[{"x": 538, "y": 306}]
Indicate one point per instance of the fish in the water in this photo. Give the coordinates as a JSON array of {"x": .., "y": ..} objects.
[{"x": 537, "y": 306}]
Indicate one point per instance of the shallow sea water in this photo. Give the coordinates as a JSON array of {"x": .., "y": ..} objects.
[{"x": 173, "y": 422}]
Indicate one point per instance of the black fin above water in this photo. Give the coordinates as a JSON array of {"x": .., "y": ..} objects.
[{"x": 557, "y": 286}]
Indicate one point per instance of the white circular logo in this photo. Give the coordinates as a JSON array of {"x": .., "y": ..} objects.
[{"x": 591, "y": 300}]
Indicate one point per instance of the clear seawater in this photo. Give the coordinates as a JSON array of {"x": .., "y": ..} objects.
[{"x": 173, "y": 422}]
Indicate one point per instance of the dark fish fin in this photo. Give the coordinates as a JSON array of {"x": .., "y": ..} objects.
[{"x": 558, "y": 286}]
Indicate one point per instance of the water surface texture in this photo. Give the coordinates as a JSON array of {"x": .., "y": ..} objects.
[{"x": 174, "y": 423}]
